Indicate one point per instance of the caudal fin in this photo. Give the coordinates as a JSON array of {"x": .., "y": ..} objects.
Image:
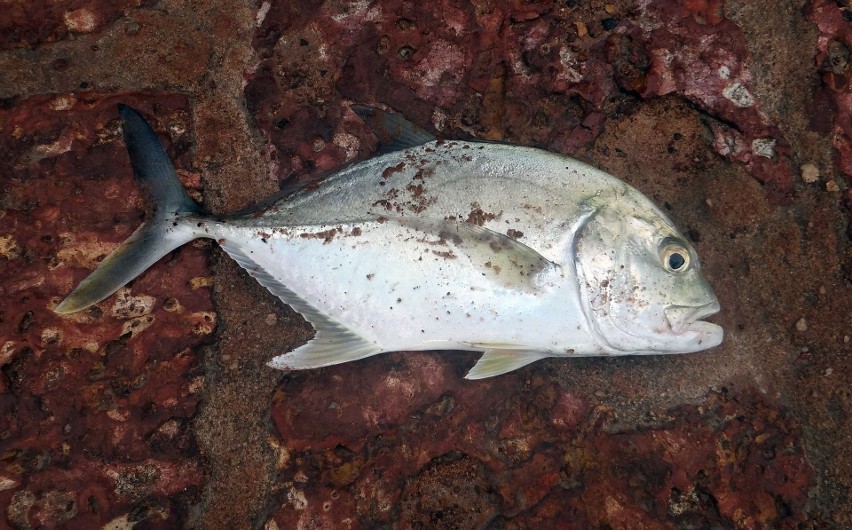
[{"x": 159, "y": 235}]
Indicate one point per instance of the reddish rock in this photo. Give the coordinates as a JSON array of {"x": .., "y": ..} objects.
[
  {"x": 832, "y": 59},
  {"x": 95, "y": 405},
  {"x": 523, "y": 451},
  {"x": 29, "y": 24},
  {"x": 528, "y": 75}
]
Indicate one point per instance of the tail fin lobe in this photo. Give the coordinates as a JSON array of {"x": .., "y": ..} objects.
[
  {"x": 143, "y": 248},
  {"x": 163, "y": 232},
  {"x": 152, "y": 168}
]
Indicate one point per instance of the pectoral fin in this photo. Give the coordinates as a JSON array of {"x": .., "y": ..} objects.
[
  {"x": 507, "y": 261},
  {"x": 333, "y": 343},
  {"x": 499, "y": 361}
]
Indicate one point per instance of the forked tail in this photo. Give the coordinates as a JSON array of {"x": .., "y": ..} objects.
[{"x": 158, "y": 235}]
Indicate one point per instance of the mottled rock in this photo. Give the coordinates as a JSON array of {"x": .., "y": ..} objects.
[
  {"x": 685, "y": 100},
  {"x": 486, "y": 452},
  {"x": 94, "y": 405},
  {"x": 29, "y": 24},
  {"x": 835, "y": 40}
]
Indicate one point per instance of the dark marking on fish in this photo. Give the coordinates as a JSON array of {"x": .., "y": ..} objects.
[
  {"x": 326, "y": 235},
  {"x": 479, "y": 217},
  {"x": 445, "y": 254},
  {"x": 389, "y": 171}
]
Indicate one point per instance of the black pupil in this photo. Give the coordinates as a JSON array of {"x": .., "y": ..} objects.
[{"x": 676, "y": 261}]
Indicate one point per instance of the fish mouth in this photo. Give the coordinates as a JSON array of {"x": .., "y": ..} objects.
[{"x": 684, "y": 318}]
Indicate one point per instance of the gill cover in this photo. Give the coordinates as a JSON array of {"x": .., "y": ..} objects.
[{"x": 640, "y": 283}]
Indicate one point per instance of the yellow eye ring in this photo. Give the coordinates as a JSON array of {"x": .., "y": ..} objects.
[{"x": 675, "y": 258}]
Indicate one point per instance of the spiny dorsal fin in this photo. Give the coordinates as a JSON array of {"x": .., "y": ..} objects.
[
  {"x": 506, "y": 261},
  {"x": 394, "y": 132}
]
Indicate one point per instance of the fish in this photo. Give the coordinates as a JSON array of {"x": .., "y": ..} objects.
[{"x": 434, "y": 244}]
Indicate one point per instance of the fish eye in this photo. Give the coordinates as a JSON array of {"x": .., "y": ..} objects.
[{"x": 675, "y": 258}]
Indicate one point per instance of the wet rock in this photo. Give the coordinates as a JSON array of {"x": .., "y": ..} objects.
[
  {"x": 529, "y": 85},
  {"x": 665, "y": 94},
  {"x": 94, "y": 405},
  {"x": 452, "y": 491},
  {"x": 26, "y": 25},
  {"x": 835, "y": 39},
  {"x": 692, "y": 470}
]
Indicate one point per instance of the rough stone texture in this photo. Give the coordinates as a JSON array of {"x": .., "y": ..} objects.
[
  {"x": 733, "y": 116},
  {"x": 96, "y": 407}
]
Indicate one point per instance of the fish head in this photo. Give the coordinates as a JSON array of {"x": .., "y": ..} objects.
[{"x": 640, "y": 282}]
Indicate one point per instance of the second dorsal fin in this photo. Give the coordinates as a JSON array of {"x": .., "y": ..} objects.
[{"x": 394, "y": 132}]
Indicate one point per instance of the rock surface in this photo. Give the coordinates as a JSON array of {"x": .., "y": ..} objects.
[{"x": 154, "y": 408}]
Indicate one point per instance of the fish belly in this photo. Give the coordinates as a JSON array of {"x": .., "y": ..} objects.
[{"x": 402, "y": 290}]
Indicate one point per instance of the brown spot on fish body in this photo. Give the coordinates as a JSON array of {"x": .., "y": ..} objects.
[
  {"x": 445, "y": 254},
  {"x": 447, "y": 235},
  {"x": 384, "y": 203},
  {"x": 479, "y": 217},
  {"x": 326, "y": 235},
  {"x": 356, "y": 231},
  {"x": 389, "y": 171},
  {"x": 514, "y": 234}
]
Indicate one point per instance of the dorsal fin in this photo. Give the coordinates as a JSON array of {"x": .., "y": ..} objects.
[{"x": 394, "y": 132}]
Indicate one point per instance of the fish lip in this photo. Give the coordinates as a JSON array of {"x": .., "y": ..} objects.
[{"x": 684, "y": 318}]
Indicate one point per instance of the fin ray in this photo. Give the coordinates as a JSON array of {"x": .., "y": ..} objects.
[
  {"x": 507, "y": 261},
  {"x": 500, "y": 361},
  {"x": 333, "y": 343}
]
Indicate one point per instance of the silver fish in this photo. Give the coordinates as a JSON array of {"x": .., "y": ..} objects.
[{"x": 443, "y": 245}]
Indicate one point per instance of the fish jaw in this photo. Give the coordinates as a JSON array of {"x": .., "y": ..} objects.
[{"x": 687, "y": 322}]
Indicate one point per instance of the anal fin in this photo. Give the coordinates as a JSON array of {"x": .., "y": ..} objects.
[
  {"x": 500, "y": 361},
  {"x": 333, "y": 343}
]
